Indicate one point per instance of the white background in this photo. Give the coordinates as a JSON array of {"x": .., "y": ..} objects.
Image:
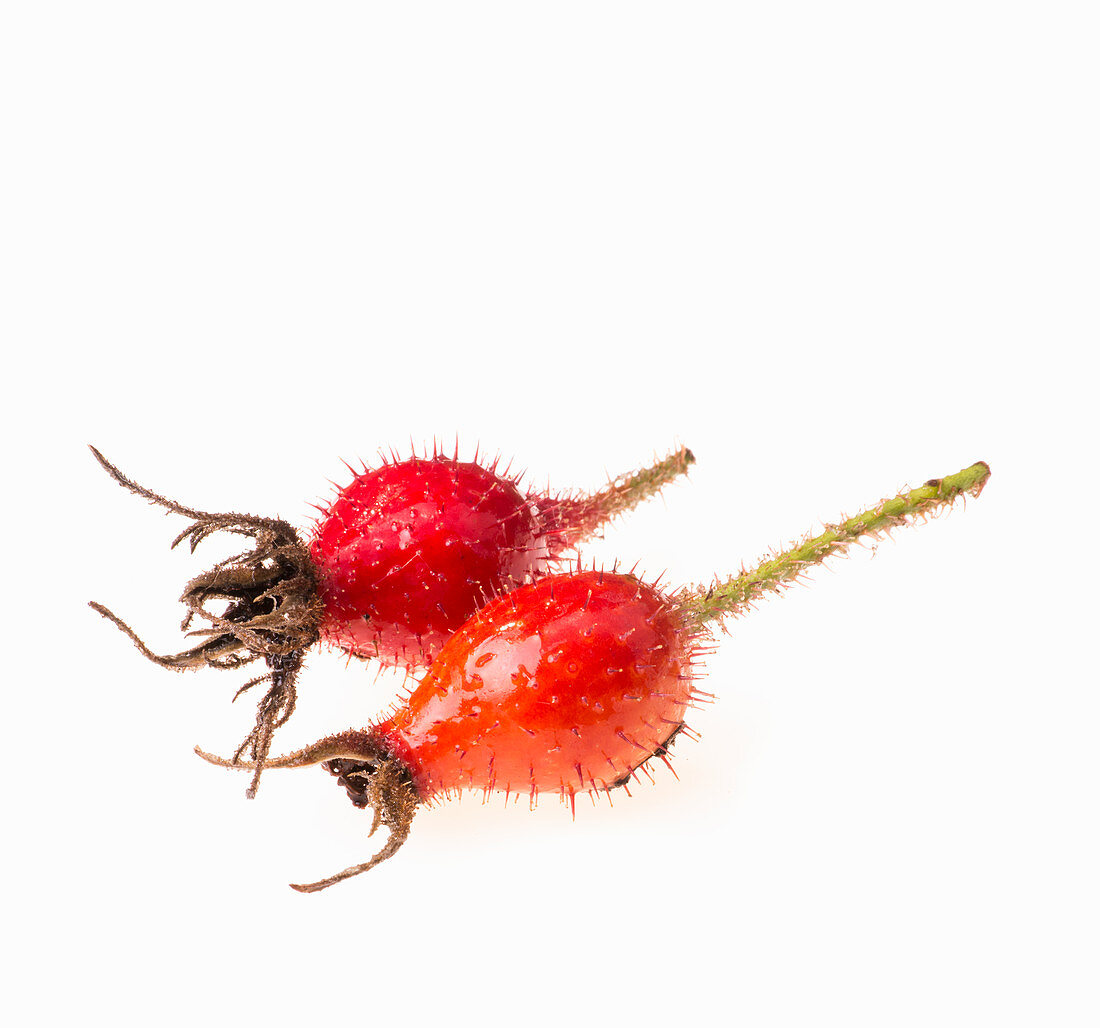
[{"x": 834, "y": 248}]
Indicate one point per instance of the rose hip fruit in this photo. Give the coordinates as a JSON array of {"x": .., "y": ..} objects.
[
  {"x": 403, "y": 556},
  {"x": 408, "y": 551},
  {"x": 570, "y": 684}
]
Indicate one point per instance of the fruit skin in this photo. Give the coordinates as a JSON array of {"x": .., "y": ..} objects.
[
  {"x": 565, "y": 685},
  {"x": 407, "y": 552}
]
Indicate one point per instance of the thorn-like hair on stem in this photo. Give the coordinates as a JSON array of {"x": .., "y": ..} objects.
[{"x": 734, "y": 596}]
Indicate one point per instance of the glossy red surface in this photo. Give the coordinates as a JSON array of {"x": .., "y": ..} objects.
[
  {"x": 409, "y": 551},
  {"x": 565, "y": 685}
]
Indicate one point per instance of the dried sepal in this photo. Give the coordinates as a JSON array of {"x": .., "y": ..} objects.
[
  {"x": 271, "y": 608},
  {"x": 372, "y": 776}
]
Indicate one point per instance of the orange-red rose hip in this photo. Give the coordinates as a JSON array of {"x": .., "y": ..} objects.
[{"x": 565, "y": 685}]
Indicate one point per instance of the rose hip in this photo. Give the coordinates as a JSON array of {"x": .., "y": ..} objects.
[
  {"x": 408, "y": 551},
  {"x": 570, "y": 684}
]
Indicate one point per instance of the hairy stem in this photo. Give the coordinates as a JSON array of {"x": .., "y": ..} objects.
[
  {"x": 733, "y": 596},
  {"x": 576, "y": 518}
]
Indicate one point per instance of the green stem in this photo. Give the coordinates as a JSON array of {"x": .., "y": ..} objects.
[
  {"x": 578, "y": 518},
  {"x": 736, "y": 594},
  {"x": 627, "y": 491}
]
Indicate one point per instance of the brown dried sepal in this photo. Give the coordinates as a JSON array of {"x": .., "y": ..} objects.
[
  {"x": 372, "y": 776},
  {"x": 272, "y": 609}
]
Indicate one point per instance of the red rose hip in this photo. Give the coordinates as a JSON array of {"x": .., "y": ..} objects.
[{"x": 408, "y": 551}]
